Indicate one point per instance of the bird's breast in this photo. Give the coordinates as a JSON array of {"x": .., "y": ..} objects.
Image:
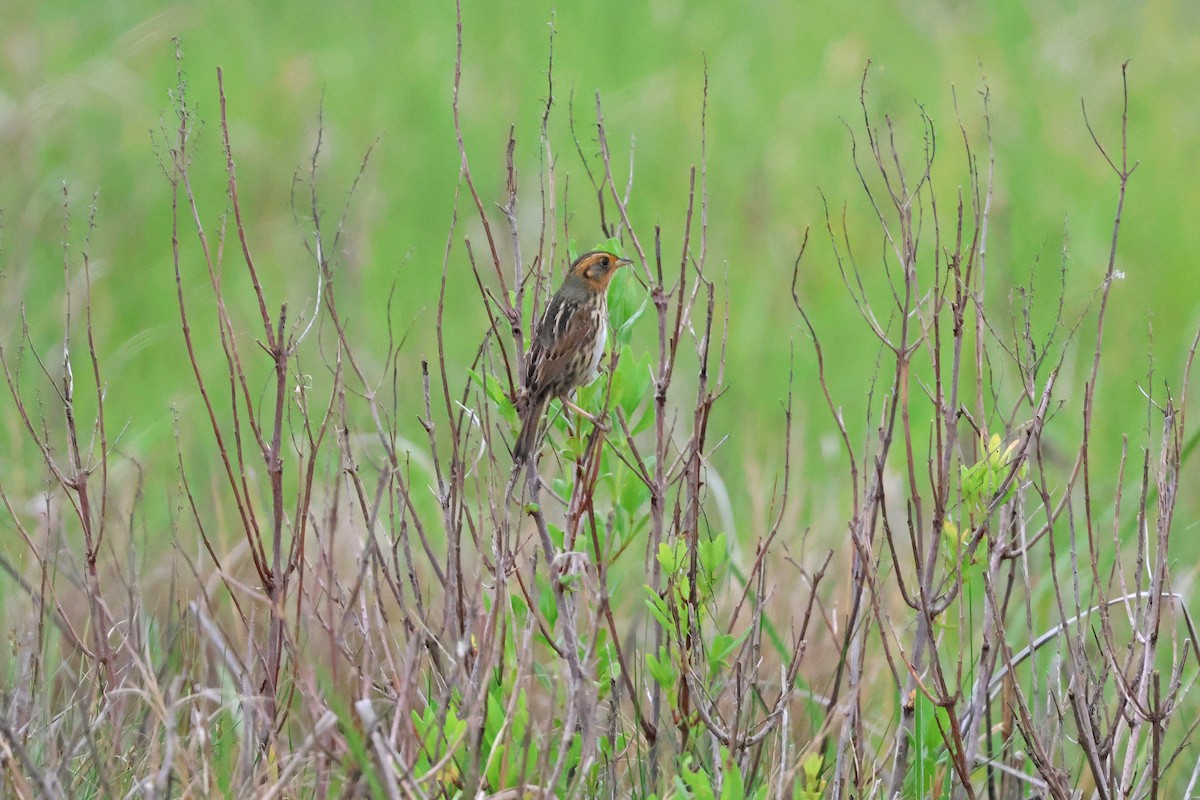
[{"x": 598, "y": 351}]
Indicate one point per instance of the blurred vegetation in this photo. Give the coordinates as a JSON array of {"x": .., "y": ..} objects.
[
  {"x": 84, "y": 86},
  {"x": 86, "y": 106}
]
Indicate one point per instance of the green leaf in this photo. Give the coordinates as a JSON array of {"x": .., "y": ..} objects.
[
  {"x": 683, "y": 617},
  {"x": 714, "y": 555},
  {"x": 632, "y": 493},
  {"x": 492, "y": 725},
  {"x": 644, "y": 421},
  {"x": 590, "y": 395},
  {"x": 672, "y": 557},
  {"x": 809, "y": 785},
  {"x": 573, "y": 447},
  {"x": 561, "y": 487},
  {"x": 493, "y": 388},
  {"x": 611, "y": 245},
  {"x": 632, "y": 382},
  {"x": 658, "y": 609},
  {"x": 667, "y": 558},
  {"x": 698, "y": 781},
  {"x": 600, "y": 540},
  {"x": 627, "y": 302},
  {"x": 661, "y": 669},
  {"x": 722, "y": 647},
  {"x": 608, "y": 666},
  {"x": 545, "y": 601},
  {"x": 632, "y": 302},
  {"x": 971, "y": 481},
  {"x": 733, "y": 787},
  {"x": 454, "y": 727}
]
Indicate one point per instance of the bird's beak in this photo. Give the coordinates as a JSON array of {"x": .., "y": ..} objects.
[{"x": 621, "y": 262}]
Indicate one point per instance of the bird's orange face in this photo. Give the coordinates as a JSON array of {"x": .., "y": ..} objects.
[{"x": 597, "y": 269}]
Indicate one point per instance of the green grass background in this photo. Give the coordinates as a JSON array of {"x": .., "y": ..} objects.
[{"x": 84, "y": 90}]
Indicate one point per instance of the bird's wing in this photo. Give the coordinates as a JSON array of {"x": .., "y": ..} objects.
[{"x": 563, "y": 330}]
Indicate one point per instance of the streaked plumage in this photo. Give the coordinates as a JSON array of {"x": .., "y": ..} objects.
[{"x": 568, "y": 342}]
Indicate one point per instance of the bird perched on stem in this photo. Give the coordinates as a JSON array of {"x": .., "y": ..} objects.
[{"x": 568, "y": 343}]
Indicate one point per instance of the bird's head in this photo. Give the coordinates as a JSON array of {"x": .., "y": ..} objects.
[{"x": 596, "y": 269}]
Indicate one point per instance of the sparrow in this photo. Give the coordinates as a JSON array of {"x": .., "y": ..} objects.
[{"x": 567, "y": 344}]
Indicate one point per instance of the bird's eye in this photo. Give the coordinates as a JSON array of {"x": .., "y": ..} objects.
[{"x": 604, "y": 261}]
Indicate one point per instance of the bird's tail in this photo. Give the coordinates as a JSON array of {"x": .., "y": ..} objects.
[{"x": 531, "y": 421}]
